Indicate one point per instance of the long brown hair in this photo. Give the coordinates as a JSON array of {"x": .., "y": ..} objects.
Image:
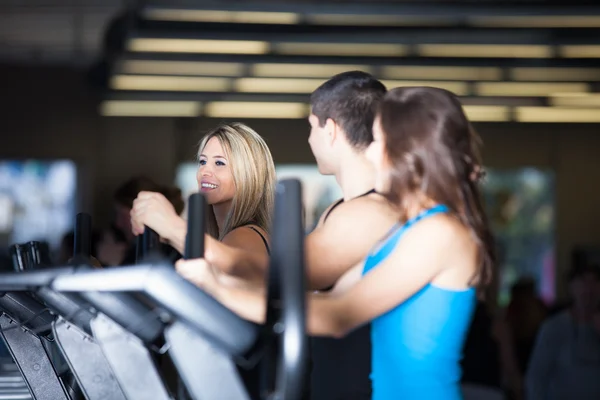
[{"x": 434, "y": 151}]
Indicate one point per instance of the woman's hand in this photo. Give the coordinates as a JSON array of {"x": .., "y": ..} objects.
[
  {"x": 153, "y": 210},
  {"x": 200, "y": 273}
]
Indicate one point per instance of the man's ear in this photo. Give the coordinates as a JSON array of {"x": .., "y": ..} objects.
[{"x": 332, "y": 130}]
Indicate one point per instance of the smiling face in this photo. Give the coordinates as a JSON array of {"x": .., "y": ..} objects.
[{"x": 214, "y": 176}]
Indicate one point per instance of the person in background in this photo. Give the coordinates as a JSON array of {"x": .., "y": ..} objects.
[
  {"x": 565, "y": 362},
  {"x": 117, "y": 245},
  {"x": 525, "y": 314}
]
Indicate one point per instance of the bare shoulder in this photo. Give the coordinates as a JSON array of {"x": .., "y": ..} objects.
[
  {"x": 373, "y": 207},
  {"x": 246, "y": 237},
  {"x": 448, "y": 242},
  {"x": 442, "y": 230}
]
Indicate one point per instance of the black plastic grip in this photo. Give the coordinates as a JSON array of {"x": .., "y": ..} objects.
[
  {"x": 146, "y": 244},
  {"x": 18, "y": 257},
  {"x": 34, "y": 254},
  {"x": 150, "y": 241},
  {"x": 82, "y": 246},
  {"x": 196, "y": 227}
]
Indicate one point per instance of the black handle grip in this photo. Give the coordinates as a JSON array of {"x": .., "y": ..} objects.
[
  {"x": 146, "y": 244},
  {"x": 196, "y": 227},
  {"x": 82, "y": 246},
  {"x": 34, "y": 254},
  {"x": 18, "y": 257}
]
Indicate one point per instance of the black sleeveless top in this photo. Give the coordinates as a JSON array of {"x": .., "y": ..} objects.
[
  {"x": 340, "y": 201},
  {"x": 261, "y": 236},
  {"x": 251, "y": 377},
  {"x": 341, "y": 367}
]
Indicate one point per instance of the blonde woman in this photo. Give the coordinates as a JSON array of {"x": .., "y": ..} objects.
[{"x": 237, "y": 175}]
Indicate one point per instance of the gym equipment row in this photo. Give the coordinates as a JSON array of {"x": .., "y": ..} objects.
[{"x": 79, "y": 332}]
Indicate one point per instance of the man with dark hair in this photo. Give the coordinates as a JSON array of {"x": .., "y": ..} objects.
[{"x": 342, "y": 113}]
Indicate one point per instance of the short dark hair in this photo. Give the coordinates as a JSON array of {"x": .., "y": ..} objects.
[{"x": 351, "y": 100}]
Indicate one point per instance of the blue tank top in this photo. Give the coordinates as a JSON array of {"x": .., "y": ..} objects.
[{"x": 417, "y": 346}]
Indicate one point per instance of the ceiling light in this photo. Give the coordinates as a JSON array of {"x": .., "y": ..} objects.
[
  {"x": 170, "y": 83},
  {"x": 159, "y": 67},
  {"x": 579, "y": 51},
  {"x": 119, "y": 108},
  {"x": 276, "y": 85},
  {"x": 458, "y": 88},
  {"x": 580, "y": 100},
  {"x": 231, "y": 109},
  {"x": 485, "y": 50},
  {"x": 553, "y": 114},
  {"x": 341, "y": 49},
  {"x": 527, "y": 89},
  {"x": 535, "y": 21},
  {"x": 198, "y": 46},
  {"x": 555, "y": 74},
  {"x": 442, "y": 73},
  {"x": 303, "y": 70},
  {"x": 487, "y": 113},
  {"x": 222, "y": 16},
  {"x": 377, "y": 20}
]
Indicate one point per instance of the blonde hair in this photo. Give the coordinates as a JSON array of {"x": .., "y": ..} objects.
[{"x": 254, "y": 177}]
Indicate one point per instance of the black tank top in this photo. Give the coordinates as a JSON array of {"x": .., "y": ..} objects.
[
  {"x": 341, "y": 367},
  {"x": 340, "y": 201},
  {"x": 251, "y": 377},
  {"x": 262, "y": 237}
]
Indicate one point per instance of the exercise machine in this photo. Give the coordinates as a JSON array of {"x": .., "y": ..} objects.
[{"x": 137, "y": 307}]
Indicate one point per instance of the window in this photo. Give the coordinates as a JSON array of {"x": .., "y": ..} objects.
[
  {"x": 521, "y": 208},
  {"x": 37, "y": 200}
]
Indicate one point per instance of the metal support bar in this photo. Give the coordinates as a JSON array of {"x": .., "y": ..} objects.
[
  {"x": 88, "y": 363},
  {"x": 130, "y": 360},
  {"x": 34, "y": 363}
]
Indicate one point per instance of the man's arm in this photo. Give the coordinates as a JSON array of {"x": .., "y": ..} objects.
[
  {"x": 330, "y": 250},
  {"x": 350, "y": 232}
]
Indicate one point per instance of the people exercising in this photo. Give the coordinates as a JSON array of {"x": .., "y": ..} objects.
[
  {"x": 418, "y": 286},
  {"x": 237, "y": 175},
  {"x": 342, "y": 113}
]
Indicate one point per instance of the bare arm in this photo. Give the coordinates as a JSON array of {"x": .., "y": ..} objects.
[
  {"x": 330, "y": 250},
  {"x": 345, "y": 239},
  {"x": 336, "y": 313}
]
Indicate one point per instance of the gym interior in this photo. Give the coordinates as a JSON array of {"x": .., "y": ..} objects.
[{"x": 96, "y": 93}]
